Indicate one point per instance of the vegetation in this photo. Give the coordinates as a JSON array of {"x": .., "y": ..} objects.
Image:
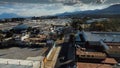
[
  {"x": 112, "y": 25},
  {"x": 76, "y": 24}
]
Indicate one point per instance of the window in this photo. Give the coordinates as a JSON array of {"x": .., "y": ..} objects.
[
  {"x": 82, "y": 55},
  {"x": 88, "y": 55}
]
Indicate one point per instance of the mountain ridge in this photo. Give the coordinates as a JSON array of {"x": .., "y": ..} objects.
[
  {"x": 113, "y": 10},
  {"x": 8, "y": 15}
]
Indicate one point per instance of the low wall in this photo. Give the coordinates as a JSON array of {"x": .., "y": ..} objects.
[
  {"x": 50, "y": 51},
  {"x": 35, "y": 64}
]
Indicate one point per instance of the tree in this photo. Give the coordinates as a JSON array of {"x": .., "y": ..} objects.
[{"x": 76, "y": 24}]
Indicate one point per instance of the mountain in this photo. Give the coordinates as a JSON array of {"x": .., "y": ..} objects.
[
  {"x": 8, "y": 15},
  {"x": 111, "y": 11},
  {"x": 114, "y": 9}
]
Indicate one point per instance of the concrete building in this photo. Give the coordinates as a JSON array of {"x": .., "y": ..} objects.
[
  {"x": 104, "y": 42},
  {"x": 100, "y": 47},
  {"x": 23, "y": 49}
]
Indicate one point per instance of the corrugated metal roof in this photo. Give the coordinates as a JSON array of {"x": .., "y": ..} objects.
[
  {"x": 21, "y": 27},
  {"x": 102, "y": 36}
]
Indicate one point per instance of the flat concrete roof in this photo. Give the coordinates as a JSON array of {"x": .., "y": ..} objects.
[
  {"x": 7, "y": 25},
  {"x": 14, "y": 66},
  {"x": 21, "y": 53}
]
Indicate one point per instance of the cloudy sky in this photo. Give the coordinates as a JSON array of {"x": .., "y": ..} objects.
[{"x": 51, "y": 7}]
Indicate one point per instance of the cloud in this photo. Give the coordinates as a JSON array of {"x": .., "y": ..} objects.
[
  {"x": 53, "y": 1},
  {"x": 29, "y": 9}
]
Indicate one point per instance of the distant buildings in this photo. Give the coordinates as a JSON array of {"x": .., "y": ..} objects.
[{"x": 27, "y": 46}]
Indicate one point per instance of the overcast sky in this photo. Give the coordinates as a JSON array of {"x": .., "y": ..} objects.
[
  {"x": 49, "y": 1},
  {"x": 50, "y": 7}
]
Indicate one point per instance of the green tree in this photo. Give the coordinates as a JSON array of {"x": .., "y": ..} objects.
[{"x": 76, "y": 23}]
